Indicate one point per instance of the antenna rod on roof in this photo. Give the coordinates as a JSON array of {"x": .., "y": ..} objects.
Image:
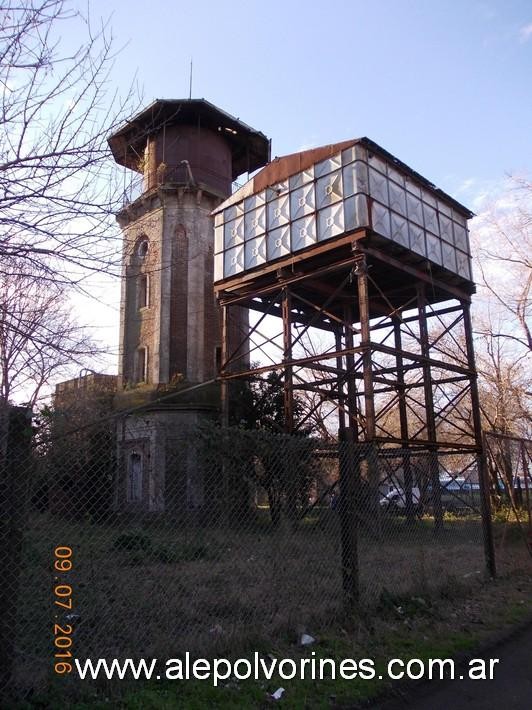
[{"x": 190, "y": 82}]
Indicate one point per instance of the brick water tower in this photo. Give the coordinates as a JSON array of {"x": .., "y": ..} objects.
[{"x": 188, "y": 152}]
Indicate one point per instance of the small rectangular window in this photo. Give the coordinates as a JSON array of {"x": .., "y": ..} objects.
[
  {"x": 144, "y": 296},
  {"x": 142, "y": 365},
  {"x": 134, "y": 478}
]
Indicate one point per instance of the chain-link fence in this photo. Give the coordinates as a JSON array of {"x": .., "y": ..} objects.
[
  {"x": 134, "y": 537},
  {"x": 510, "y": 470}
]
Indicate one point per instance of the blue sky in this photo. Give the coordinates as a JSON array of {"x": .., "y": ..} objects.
[{"x": 445, "y": 86}]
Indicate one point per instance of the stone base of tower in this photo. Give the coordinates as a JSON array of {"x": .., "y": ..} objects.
[{"x": 160, "y": 469}]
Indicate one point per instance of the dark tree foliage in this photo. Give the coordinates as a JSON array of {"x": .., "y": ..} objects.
[
  {"x": 77, "y": 465},
  {"x": 255, "y": 451}
]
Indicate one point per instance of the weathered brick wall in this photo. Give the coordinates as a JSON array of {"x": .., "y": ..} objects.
[
  {"x": 140, "y": 326},
  {"x": 181, "y": 325}
]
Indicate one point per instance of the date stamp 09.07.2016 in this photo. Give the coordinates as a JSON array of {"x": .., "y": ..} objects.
[{"x": 62, "y": 565}]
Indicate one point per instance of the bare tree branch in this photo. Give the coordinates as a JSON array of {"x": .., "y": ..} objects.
[
  {"x": 39, "y": 338},
  {"x": 59, "y": 187},
  {"x": 503, "y": 238}
]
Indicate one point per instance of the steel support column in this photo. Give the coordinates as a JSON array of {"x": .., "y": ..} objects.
[
  {"x": 403, "y": 419},
  {"x": 429, "y": 410},
  {"x": 224, "y": 413},
  {"x": 361, "y": 272},
  {"x": 340, "y": 380},
  {"x": 224, "y": 382},
  {"x": 288, "y": 383},
  {"x": 288, "y": 402},
  {"x": 349, "y": 470}
]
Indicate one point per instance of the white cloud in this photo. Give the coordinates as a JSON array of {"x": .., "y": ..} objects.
[
  {"x": 475, "y": 192},
  {"x": 525, "y": 32},
  {"x": 465, "y": 186}
]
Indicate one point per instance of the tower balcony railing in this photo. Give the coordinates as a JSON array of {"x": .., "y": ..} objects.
[{"x": 184, "y": 174}]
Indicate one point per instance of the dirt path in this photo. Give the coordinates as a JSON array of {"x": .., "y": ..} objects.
[{"x": 511, "y": 688}]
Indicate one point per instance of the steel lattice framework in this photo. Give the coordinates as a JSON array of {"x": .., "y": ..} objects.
[{"x": 378, "y": 342}]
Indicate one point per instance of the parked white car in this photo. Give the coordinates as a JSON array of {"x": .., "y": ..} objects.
[{"x": 395, "y": 500}]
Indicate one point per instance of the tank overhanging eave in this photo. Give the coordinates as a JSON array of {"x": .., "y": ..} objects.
[{"x": 249, "y": 187}]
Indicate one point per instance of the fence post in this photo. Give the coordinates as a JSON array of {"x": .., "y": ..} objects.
[
  {"x": 349, "y": 471},
  {"x": 480, "y": 442},
  {"x": 15, "y": 439}
]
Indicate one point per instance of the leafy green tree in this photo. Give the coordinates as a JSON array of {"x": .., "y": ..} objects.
[{"x": 256, "y": 451}]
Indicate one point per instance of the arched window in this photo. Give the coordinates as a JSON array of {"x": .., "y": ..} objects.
[
  {"x": 143, "y": 247},
  {"x": 143, "y": 291},
  {"x": 141, "y": 364}
]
